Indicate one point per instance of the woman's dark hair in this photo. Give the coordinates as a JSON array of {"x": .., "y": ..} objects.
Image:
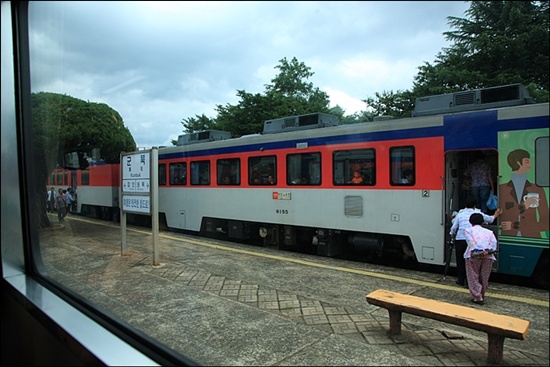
[
  {"x": 476, "y": 218},
  {"x": 471, "y": 202}
]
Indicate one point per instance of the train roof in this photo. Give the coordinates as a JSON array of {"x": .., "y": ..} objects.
[
  {"x": 471, "y": 100},
  {"x": 431, "y": 109}
]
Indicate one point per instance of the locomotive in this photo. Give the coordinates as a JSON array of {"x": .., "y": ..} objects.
[{"x": 291, "y": 187}]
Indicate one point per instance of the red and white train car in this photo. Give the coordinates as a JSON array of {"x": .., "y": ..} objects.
[{"x": 290, "y": 187}]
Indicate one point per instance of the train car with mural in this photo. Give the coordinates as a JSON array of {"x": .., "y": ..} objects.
[{"x": 386, "y": 188}]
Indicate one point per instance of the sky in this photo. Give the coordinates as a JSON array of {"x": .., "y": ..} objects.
[{"x": 158, "y": 63}]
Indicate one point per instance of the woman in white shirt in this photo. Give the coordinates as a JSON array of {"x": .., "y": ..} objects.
[{"x": 460, "y": 224}]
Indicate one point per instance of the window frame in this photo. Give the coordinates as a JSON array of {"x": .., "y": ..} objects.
[
  {"x": 264, "y": 165},
  {"x": 399, "y": 163},
  {"x": 364, "y": 161},
  {"x": 71, "y": 320},
  {"x": 293, "y": 172},
  {"x": 231, "y": 164}
]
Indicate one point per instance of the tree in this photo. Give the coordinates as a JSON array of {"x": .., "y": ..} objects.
[
  {"x": 502, "y": 42},
  {"x": 248, "y": 116},
  {"x": 64, "y": 125},
  {"x": 292, "y": 93},
  {"x": 398, "y": 104},
  {"x": 198, "y": 123},
  {"x": 288, "y": 94}
]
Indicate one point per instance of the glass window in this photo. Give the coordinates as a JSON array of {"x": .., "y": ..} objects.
[
  {"x": 354, "y": 167},
  {"x": 200, "y": 173},
  {"x": 85, "y": 177},
  {"x": 303, "y": 169},
  {"x": 59, "y": 178},
  {"x": 541, "y": 162},
  {"x": 178, "y": 173},
  {"x": 229, "y": 171},
  {"x": 262, "y": 170},
  {"x": 402, "y": 169},
  {"x": 162, "y": 174}
]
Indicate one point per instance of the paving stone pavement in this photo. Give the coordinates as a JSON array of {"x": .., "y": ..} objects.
[
  {"x": 95, "y": 267},
  {"x": 433, "y": 347}
]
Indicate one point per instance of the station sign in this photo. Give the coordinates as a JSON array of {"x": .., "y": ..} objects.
[{"x": 136, "y": 182}]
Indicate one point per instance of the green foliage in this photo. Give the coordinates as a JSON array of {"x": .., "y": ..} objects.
[
  {"x": 61, "y": 125},
  {"x": 502, "y": 42},
  {"x": 292, "y": 93},
  {"x": 289, "y": 94},
  {"x": 64, "y": 124},
  {"x": 197, "y": 123},
  {"x": 499, "y": 43},
  {"x": 248, "y": 116},
  {"x": 398, "y": 104}
]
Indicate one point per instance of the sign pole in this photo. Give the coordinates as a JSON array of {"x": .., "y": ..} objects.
[
  {"x": 135, "y": 190},
  {"x": 154, "y": 204},
  {"x": 122, "y": 217}
]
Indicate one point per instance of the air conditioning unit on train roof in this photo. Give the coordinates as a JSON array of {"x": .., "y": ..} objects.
[
  {"x": 300, "y": 122},
  {"x": 476, "y": 99},
  {"x": 203, "y": 136}
]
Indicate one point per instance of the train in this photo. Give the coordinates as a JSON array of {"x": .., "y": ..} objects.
[{"x": 290, "y": 187}]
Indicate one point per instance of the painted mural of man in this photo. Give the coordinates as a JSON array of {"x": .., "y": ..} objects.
[{"x": 522, "y": 201}]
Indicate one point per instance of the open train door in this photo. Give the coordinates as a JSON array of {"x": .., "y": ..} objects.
[
  {"x": 451, "y": 203},
  {"x": 458, "y": 189}
]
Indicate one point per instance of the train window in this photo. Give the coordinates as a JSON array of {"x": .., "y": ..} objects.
[
  {"x": 200, "y": 173},
  {"x": 162, "y": 174},
  {"x": 229, "y": 171},
  {"x": 262, "y": 170},
  {"x": 59, "y": 178},
  {"x": 85, "y": 177},
  {"x": 178, "y": 173},
  {"x": 355, "y": 166},
  {"x": 541, "y": 160},
  {"x": 402, "y": 170},
  {"x": 303, "y": 169}
]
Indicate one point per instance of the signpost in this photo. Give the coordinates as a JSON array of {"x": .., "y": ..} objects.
[{"x": 139, "y": 191}]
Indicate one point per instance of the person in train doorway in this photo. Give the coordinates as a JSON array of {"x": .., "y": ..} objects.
[
  {"x": 460, "y": 224},
  {"x": 50, "y": 204},
  {"x": 479, "y": 257},
  {"x": 482, "y": 184},
  {"x": 61, "y": 206},
  {"x": 525, "y": 202}
]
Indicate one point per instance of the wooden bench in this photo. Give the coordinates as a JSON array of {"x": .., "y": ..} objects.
[{"x": 497, "y": 327}]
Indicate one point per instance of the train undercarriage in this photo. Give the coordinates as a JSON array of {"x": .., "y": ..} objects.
[
  {"x": 391, "y": 250},
  {"x": 347, "y": 245}
]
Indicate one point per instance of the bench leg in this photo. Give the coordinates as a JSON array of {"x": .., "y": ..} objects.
[
  {"x": 496, "y": 349},
  {"x": 395, "y": 322}
]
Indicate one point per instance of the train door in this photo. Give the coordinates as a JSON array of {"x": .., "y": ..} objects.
[{"x": 458, "y": 187}]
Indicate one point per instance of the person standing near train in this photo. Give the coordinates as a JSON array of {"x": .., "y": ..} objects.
[
  {"x": 61, "y": 205},
  {"x": 479, "y": 257},
  {"x": 482, "y": 181},
  {"x": 50, "y": 204},
  {"x": 68, "y": 199},
  {"x": 460, "y": 224}
]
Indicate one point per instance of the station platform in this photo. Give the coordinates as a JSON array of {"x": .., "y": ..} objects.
[{"x": 227, "y": 304}]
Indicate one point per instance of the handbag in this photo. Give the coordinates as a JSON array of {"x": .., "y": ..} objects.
[{"x": 492, "y": 202}]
